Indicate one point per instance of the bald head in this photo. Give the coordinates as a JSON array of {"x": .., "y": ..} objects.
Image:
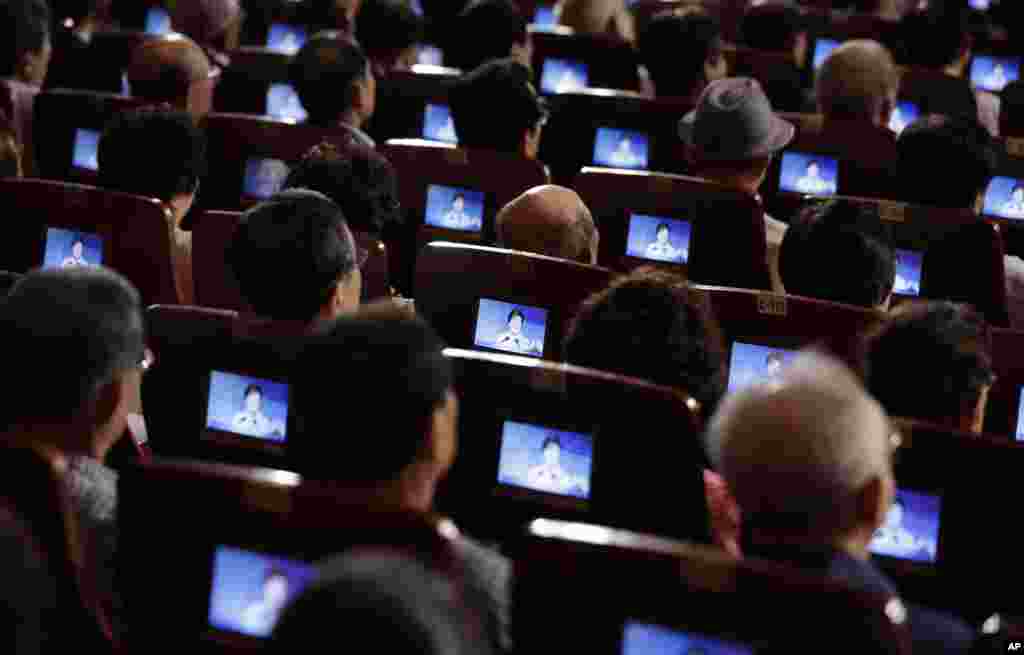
[
  {"x": 549, "y": 220},
  {"x": 799, "y": 453},
  {"x": 859, "y": 81},
  {"x": 163, "y": 69}
]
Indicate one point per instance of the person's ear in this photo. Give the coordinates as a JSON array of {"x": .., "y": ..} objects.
[
  {"x": 347, "y": 295},
  {"x": 873, "y": 502},
  {"x": 885, "y": 111},
  {"x": 530, "y": 145},
  {"x": 801, "y": 45},
  {"x": 110, "y": 410},
  {"x": 180, "y": 204},
  {"x": 973, "y": 419},
  {"x": 523, "y": 52}
]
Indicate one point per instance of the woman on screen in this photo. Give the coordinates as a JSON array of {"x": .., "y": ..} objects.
[
  {"x": 893, "y": 539},
  {"x": 1015, "y": 205},
  {"x": 513, "y": 338},
  {"x": 550, "y": 476},
  {"x": 623, "y": 154},
  {"x": 251, "y": 421},
  {"x": 260, "y": 617},
  {"x": 456, "y": 216},
  {"x": 76, "y": 257},
  {"x": 662, "y": 247},
  {"x": 812, "y": 181}
]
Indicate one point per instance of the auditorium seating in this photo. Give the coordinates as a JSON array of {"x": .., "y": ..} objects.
[
  {"x": 452, "y": 280},
  {"x": 611, "y": 64},
  {"x": 135, "y": 233},
  {"x": 247, "y": 80},
  {"x": 402, "y": 99},
  {"x": 200, "y": 533},
  {"x": 727, "y": 242},
  {"x": 630, "y": 593},
  {"x": 500, "y": 393},
  {"x": 934, "y": 92}
]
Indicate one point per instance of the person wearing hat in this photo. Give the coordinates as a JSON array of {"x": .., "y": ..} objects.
[{"x": 732, "y": 136}]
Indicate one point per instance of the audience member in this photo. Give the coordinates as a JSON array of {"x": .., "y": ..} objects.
[
  {"x": 947, "y": 347},
  {"x": 608, "y": 17},
  {"x": 840, "y": 251},
  {"x": 779, "y": 26},
  {"x": 172, "y": 177},
  {"x": 10, "y": 151},
  {"x": 858, "y": 83},
  {"x": 662, "y": 335},
  {"x": 335, "y": 83},
  {"x": 682, "y": 53},
  {"x": 809, "y": 460},
  {"x": 170, "y": 70},
  {"x": 390, "y": 33},
  {"x": 25, "y": 28},
  {"x": 891, "y": 10},
  {"x": 213, "y": 24},
  {"x": 75, "y": 64},
  {"x": 936, "y": 37},
  {"x": 331, "y": 15},
  {"x": 1011, "y": 110},
  {"x": 304, "y": 233},
  {"x": 549, "y": 220},
  {"x": 416, "y": 440},
  {"x": 359, "y": 180},
  {"x": 503, "y": 83},
  {"x": 58, "y": 505},
  {"x": 486, "y": 30},
  {"x": 732, "y": 137}
]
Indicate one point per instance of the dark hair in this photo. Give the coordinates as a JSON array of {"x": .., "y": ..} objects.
[
  {"x": 676, "y": 48},
  {"x": 944, "y": 347},
  {"x": 774, "y": 357},
  {"x": 924, "y": 150},
  {"x": 253, "y": 388},
  {"x": 550, "y": 440},
  {"x": 841, "y": 251},
  {"x": 484, "y": 30},
  {"x": 88, "y": 319},
  {"x": 1016, "y": 187},
  {"x": 178, "y": 150},
  {"x": 512, "y": 314},
  {"x": 645, "y": 325},
  {"x": 24, "y": 27},
  {"x": 772, "y": 26},
  {"x": 324, "y": 75},
  {"x": 302, "y": 232},
  {"x": 501, "y": 83},
  {"x": 813, "y": 162},
  {"x": 401, "y": 360},
  {"x": 933, "y": 37},
  {"x": 1011, "y": 110},
  {"x": 662, "y": 226},
  {"x": 459, "y": 196},
  {"x": 359, "y": 179},
  {"x": 274, "y": 572},
  {"x": 77, "y": 239},
  {"x": 387, "y": 28}
]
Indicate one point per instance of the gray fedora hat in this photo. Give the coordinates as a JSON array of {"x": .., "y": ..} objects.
[{"x": 734, "y": 121}]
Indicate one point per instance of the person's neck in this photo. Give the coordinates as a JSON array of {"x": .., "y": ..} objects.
[{"x": 352, "y": 119}]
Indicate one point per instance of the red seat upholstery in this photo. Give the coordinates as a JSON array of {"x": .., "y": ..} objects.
[
  {"x": 402, "y": 99},
  {"x": 244, "y": 84},
  {"x": 618, "y": 580},
  {"x": 135, "y": 233},
  {"x": 727, "y": 242}
]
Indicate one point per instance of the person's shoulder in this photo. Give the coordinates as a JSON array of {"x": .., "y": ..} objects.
[
  {"x": 489, "y": 573},
  {"x": 932, "y": 631}
]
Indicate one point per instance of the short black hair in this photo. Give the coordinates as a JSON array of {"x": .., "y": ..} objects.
[
  {"x": 387, "y": 28},
  {"x": 512, "y": 314},
  {"x": 839, "y": 250},
  {"x": 501, "y": 83},
  {"x": 458, "y": 196},
  {"x": 359, "y": 179},
  {"x": 645, "y": 325},
  {"x": 152, "y": 152},
  {"x": 774, "y": 357},
  {"x": 253, "y": 388},
  {"x": 772, "y": 26},
  {"x": 324, "y": 73},
  {"x": 943, "y": 347},
  {"x": 24, "y": 27},
  {"x": 675, "y": 48},
  {"x": 1011, "y": 110},
  {"x": 274, "y": 572},
  {"x": 933, "y": 37},
  {"x": 927, "y": 146},
  {"x": 662, "y": 226},
  {"x": 77, "y": 239},
  {"x": 484, "y": 30},
  {"x": 86, "y": 321},
  {"x": 551, "y": 440},
  {"x": 299, "y": 231},
  {"x": 400, "y": 360}
]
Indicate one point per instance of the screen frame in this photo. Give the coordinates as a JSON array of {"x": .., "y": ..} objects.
[
  {"x": 632, "y": 262},
  {"x": 810, "y": 154},
  {"x": 96, "y": 231},
  {"x": 634, "y": 132},
  {"x": 235, "y": 441},
  {"x": 547, "y": 330},
  {"x": 557, "y": 501}
]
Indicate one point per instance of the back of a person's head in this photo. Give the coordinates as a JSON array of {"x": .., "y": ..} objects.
[
  {"x": 501, "y": 83},
  {"x": 929, "y": 362},
  {"x": 394, "y": 601},
  {"x": 360, "y": 180},
  {"x": 608, "y": 17},
  {"x": 1011, "y": 110},
  {"x": 840, "y": 251},
  {"x": 390, "y": 374},
  {"x": 772, "y": 25},
  {"x": 857, "y": 81},
  {"x": 324, "y": 74},
  {"x": 944, "y": 161},
  {"x": 645, "y": 325},
  {"x": 485, "y": 30},
  {"x": 549, "y": 220},
  {"x": 153, "y": 153},
  {"x": 934, "y": 37},
  {"x": 87, "y": 321},
  {"x": 675, "y": 49},
  {"x": 206, "y": 21},
  {"x": 387, "y": 28},
  {"x": 290, "y": 252},
  {"x": 24, "y": 28},
  {"x": 162, "y": 70},
  {"x": 797, "y": 452}
]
